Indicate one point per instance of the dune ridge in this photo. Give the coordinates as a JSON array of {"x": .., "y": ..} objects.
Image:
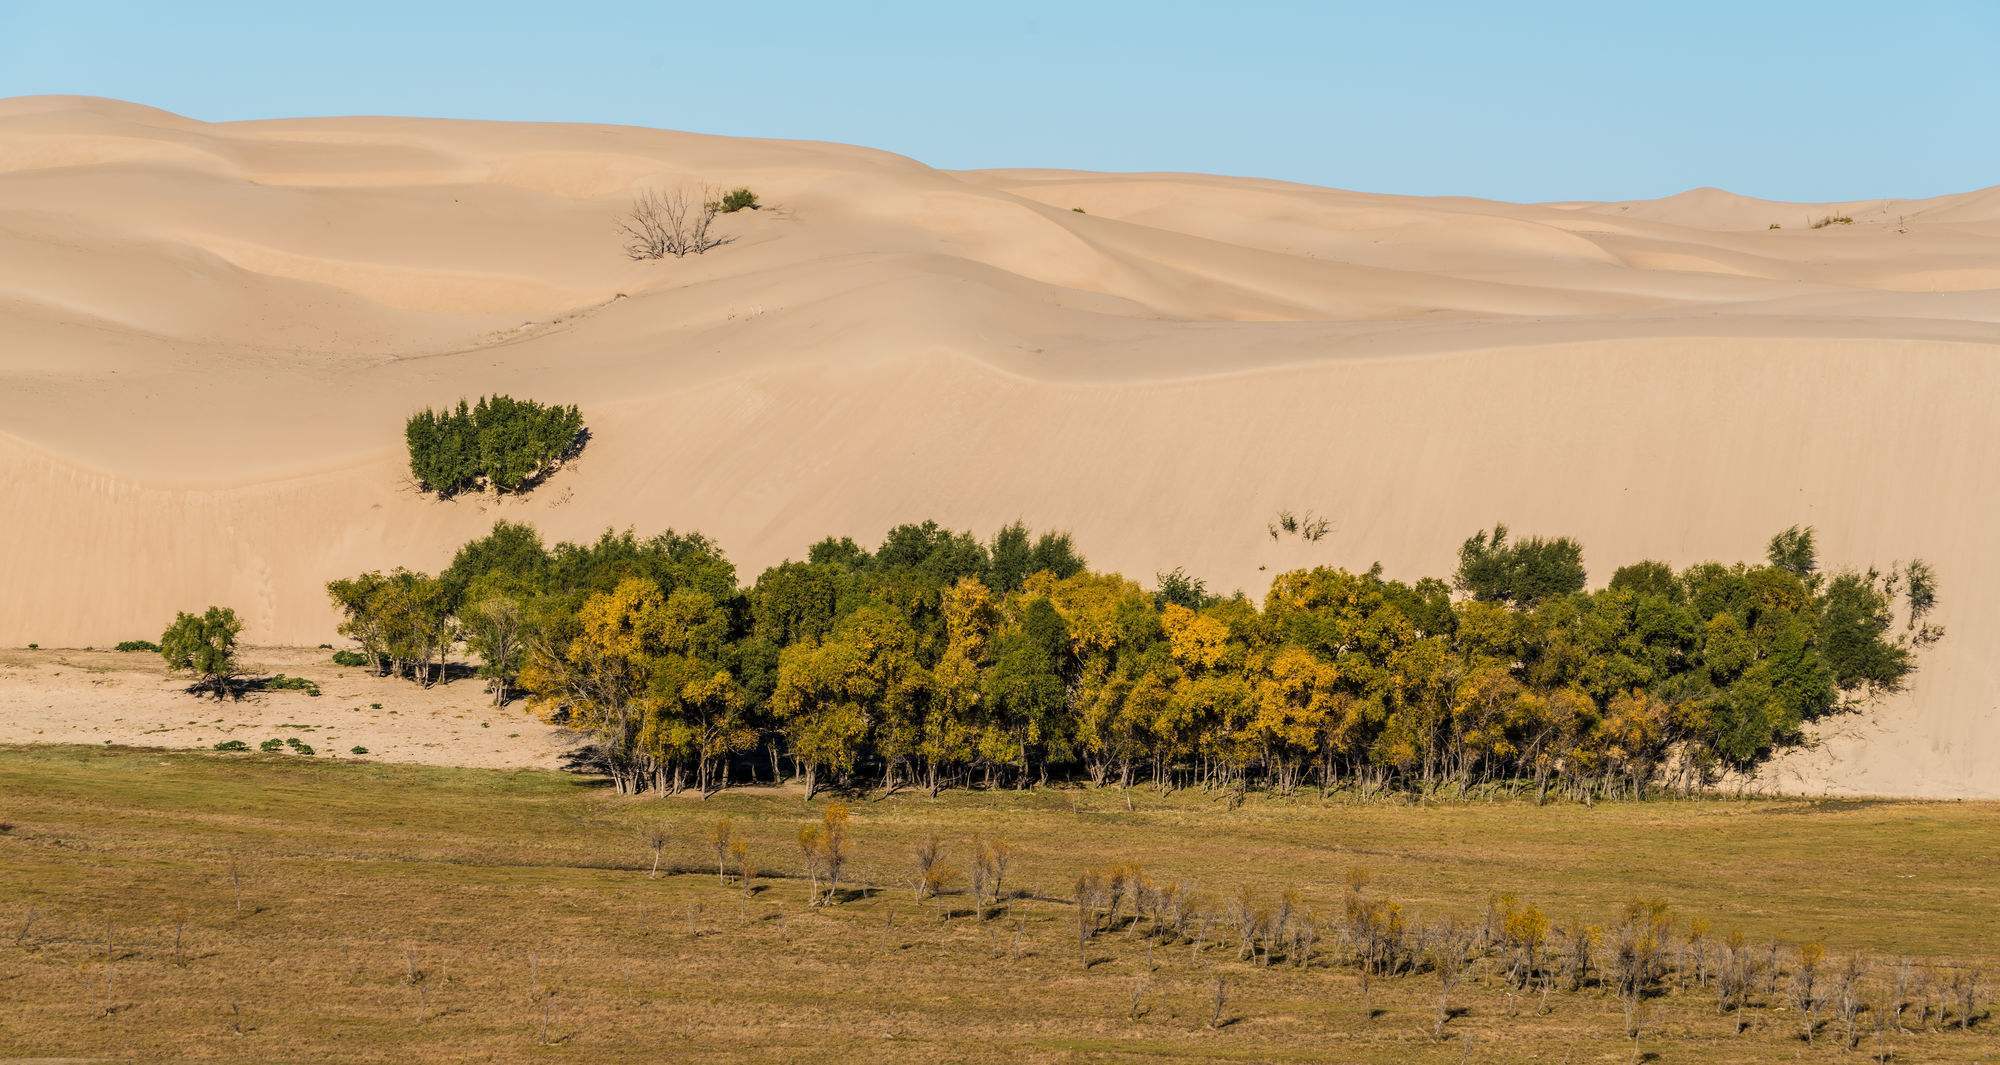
[{"x": 216, "y": 331}]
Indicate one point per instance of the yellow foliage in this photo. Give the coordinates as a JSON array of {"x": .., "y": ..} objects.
[{"x": 1196, "y": 641}]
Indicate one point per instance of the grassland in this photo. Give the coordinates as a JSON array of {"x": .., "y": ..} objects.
[{"x": 397, "y": 913}]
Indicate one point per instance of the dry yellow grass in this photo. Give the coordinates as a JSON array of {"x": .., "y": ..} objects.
[{"x": 406, "y": 913}]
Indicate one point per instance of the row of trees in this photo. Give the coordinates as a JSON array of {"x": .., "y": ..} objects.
[
  {"x": 939, "y": 659},
  {"x": 501, "y": 443}
]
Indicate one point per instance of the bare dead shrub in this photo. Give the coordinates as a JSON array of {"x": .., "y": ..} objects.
[{"x": 675, "y": 222}]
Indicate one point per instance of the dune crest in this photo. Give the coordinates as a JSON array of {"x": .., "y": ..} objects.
[{"x": 216, "y": 331}]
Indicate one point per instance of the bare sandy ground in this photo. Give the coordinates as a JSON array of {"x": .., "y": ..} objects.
[
  {"x": 75, "y": 696},
  {"x": 215, "y": 332}
]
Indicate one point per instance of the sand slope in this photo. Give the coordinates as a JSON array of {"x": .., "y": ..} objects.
[{"x": 214, "y": 333}]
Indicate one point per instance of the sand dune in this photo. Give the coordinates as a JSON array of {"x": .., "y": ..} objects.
[{"x": 216, "y": 331}]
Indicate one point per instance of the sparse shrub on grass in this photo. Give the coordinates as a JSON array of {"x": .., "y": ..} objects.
[
  {"x": 232, "y": 745},
  {"x": 825, "y": 847},
  {"x": 739, "y": 852},
  {"x": 927, "y": 855},
  {"x": 739, "y": 199},
  {"x": 720, "y": 836},
  {"x": 137, "y": 645},
  {"x": 349, "y": 658}
]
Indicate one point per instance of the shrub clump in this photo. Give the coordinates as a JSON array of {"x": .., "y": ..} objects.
[
  {"x": 292, "y": 684},
  {"x": 272, "y": 745},
  {"x": 357, "y": 750},
  {"x": 232, "y": 745},
  {"x": 298, "y": 747},
  {"x": 501, "y": 443},
  {"x": 137, "y": 645},
  {"x": 350, "y": 658},
  {"x": 738, "y": 200}
]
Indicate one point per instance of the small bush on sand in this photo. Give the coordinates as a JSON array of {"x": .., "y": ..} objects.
[
  {"x": 232, "y": 745},
  {"x": 137, "y": 645},
  {"x": 739, "y": 200},
  {"x": 292, "y": 684},
  {"x": 349, "y": 658},
  {"x": 357, "y": 750},
  {"x": 272, "y": 745}
]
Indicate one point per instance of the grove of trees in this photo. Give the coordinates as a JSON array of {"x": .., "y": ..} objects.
[
  {"x": 501, "y": 443},
  {"x": 939, "y": 660}
]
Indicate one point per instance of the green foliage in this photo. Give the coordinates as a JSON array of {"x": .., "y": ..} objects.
[
  {"x": 137, "y": 645},
  {"x": 298, "y": 747},
  {"x": 1013, "y": 555},
  {"x": 1522, "y": 573},
  {"x": 357, "y": 750},
  {"x": 204, "y": 645},
  {"x": 350, "y": 658},
  {"x": 232, "y": 745},
  {"x": 738, "y": 199},
  {"x": 940, "y": 658},
  {"x": 1177, "y": 587},
  {"x": 272, "y": 745},
  {"x": 402, "y": 620},
  {"x": 291, "y": 684},
  {"x": 1794, "y": 552},
  {"x": 501, "y": 443}
]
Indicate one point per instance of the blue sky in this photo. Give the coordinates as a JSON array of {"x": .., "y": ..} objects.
[{"x": 1524, "y": 101}]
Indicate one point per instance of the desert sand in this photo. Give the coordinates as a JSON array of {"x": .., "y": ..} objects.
[
  {"x": 96, "y": 696},
  {"x": 215, "y": 331}
]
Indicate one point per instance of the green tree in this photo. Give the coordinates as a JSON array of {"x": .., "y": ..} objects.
[
  {"x": 1494, "y": 569},
  {"x": 1794, "y": 552},
  {"x": 205, "y": 645},
  {"x": 1026, "y": 694}
]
